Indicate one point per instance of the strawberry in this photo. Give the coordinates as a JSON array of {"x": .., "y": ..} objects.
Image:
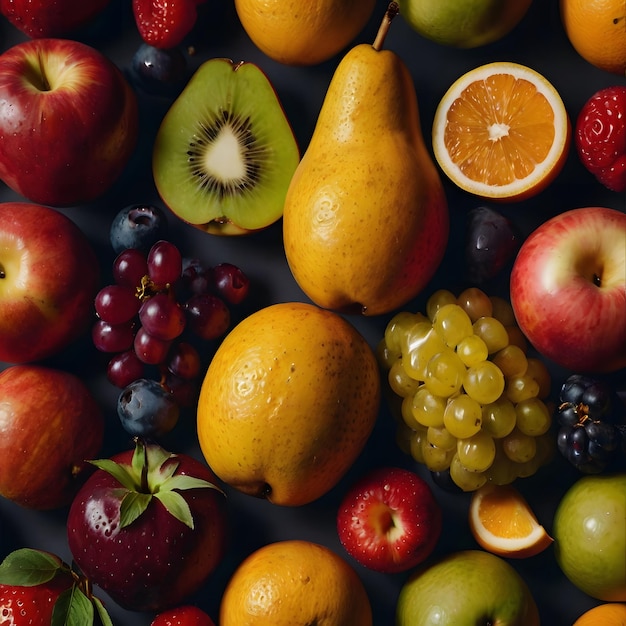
[
  {"x": 186, "y": 615},
  {"x": 37, "y": 587},
  {"x": 601, "y": 137},
  {"x": 148, "y": 527},
  {"x": 165, "y": 23}
]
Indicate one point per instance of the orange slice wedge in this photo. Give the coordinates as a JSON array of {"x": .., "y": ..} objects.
[
  {"x": 502, "y": 132},
  {"x": 502, "y": 522}
]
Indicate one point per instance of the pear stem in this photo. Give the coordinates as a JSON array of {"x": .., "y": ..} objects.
[{"x": 392, "y": 10}]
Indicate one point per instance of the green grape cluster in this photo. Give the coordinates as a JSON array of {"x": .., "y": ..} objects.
[{"x": 471, "y": 400}]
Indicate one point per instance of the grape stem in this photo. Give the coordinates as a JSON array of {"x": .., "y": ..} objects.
[{"x": 392, "y": 10}]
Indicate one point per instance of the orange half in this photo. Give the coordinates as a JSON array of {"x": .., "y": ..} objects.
[
  {"x": 503, "y": 523},
  {"x": 502, "y": 132}
]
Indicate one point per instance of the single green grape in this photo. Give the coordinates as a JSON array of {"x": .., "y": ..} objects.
[
  {"x": 517, "y": 338},
  {"x": 452, "y": 324},
  {"x": 400, "y": 382},
  {"x": 426, "y": 408},
  {"x": 385, "y": 356},
  {"x": 503, "y": 471},
  {"x": 422, "y": 344},
  {"x": 406, "y": 413},
  {"x": 477, "y": 452},
  {"x": 462, "y": 416},
  {"x": 520, "y": 388},
  {"x": 441, "y": 437},
  {"x": 538, "y": 371},
  {"x": 511, "y": 360},
  {"x": 499, "y": 417},
  {"x": 415, "y": 445},
  {"x": 436, "y": 300},
  {"x": 472, "y": 350},
  {"x": 466, "y": 479},
  {"x": 484, "y": 382},
  {"x": 518, "y": 446},
  {"x": 444, "y": 373},
  {"x": 436, "y": 459},
  {"x": 476, "y": 303},
  {"x": 533, "y": 417},
  {"x": 492, "y": 332},
  {"x": 397, "y": 328},
  {"x": 502, "y": 310}
]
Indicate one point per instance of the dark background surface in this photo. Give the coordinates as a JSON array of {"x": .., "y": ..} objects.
[{"x": 540, "y": 42}]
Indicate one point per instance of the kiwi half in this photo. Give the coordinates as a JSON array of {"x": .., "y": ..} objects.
[{"x": 225, "y": 152}]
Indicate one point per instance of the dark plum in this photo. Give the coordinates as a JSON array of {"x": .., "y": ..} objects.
[
  {"x": 159, "y": 72},
  {"x": 490, "y": 243},
  {"x": 137, "y": 226},
  {"x": 146, "y": 409}
]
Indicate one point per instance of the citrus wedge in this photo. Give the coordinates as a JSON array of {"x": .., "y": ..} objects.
[
  {"x": 503, "y": 523},
  {"x": 502, "y": 132}
]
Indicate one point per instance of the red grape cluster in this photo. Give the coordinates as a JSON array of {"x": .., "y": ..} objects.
[{"x": 157, "y": 300}]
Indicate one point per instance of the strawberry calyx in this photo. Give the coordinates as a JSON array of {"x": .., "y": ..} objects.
[
  {"x": 152, "y": 474},
  {"x": 28, "y": 567}
]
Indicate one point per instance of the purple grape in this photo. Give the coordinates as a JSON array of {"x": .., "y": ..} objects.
[
  {"x": 116, "y": 304},
  {"x": 162, "y": 317},
  {"x": 230, "y": 282}
]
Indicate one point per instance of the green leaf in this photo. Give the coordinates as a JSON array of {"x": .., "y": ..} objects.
[
  {"x": 26, "y": 567},
  {"x": 177, "y": 506},
  {"x": 157, "y": 456},
  {"x": 72, "y": 608},
  {"x": 122, "y": 473},
  {"x": 105, "y": 618},
  {"x": 183, "y": 482},
  {"x": 133, "y": 505}
]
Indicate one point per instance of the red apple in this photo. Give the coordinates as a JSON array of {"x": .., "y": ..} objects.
[
  {"x": 68, "y": 121},
  {"x": 50, "y": 424},
  {"x": 568, "y": 289},
  {"x": 49, "y": 276},
  {"x": 148, "y": 527},
  {"x": 389, "y": 520},
  {"x": 50, "y": 18}
]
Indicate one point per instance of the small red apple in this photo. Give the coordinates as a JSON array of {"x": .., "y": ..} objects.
[
  {"x": 50, "y": 18},
  {"x": 49, "y": 276},
  {"x": 68, "y": 121},
  {"x": 568, "y": 289},
  {"x": 148, "y": 527},
  {"x": 389, "y": 520},
  {"x": 50, "y": 424}
]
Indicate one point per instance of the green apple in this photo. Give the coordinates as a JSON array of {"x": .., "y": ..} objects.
[
  {"x": 466, "y": 588},
  {"x": 589, "y": 532},
  {"x": 463, "y": 23}
]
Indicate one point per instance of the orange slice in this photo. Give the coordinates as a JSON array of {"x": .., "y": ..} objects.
[
  {"x": 502, "y": 132},
  {"x": 502, "y": 522}
]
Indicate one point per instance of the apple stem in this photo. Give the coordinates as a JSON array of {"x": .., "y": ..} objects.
[{"x": 392, "y": 10}]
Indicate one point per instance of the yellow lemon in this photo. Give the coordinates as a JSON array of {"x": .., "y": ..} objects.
[
  {"x": 295, "y": 583},
  {"x": 303, "y": 33},
  {"x": 288, "y": 402}
]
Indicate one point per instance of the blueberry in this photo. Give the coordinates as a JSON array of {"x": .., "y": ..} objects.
[
  {"x": 158, "y": 72},
  {"x": 137, "y": 226},
  {"x": 146, "y": 409}
]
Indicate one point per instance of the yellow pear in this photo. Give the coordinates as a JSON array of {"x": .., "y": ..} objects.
[
  {"x": 365, "y": 221},
  {"x": 303, "y": 33},
  {"x": 288, "y": 402}
]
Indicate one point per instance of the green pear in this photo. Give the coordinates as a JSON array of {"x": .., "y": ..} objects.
[
  {"x": 365, "y": 221},
  {"x": 466, "y": 588}
]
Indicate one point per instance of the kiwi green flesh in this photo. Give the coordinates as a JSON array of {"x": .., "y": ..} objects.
[{"x": 225, "y": 153}]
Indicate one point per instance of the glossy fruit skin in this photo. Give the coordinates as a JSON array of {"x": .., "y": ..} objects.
[
  {"x": 187, "y": 615},
  {"x": 590, "y": 543},
  {"x": 137, "y": 226},
  {"x": 91, "y": 109},
  {"x": 180, "y": 559},
  {"x": 376, "y": 506},
  {"x": 164, "y": 25},
  {"x": 466, "y": 588},
  {"x": 50, "y": 18},
  {"x": 606, "y": 614},
  {"x": 55, "y": 425},
  {"x": 569, "y": 300},
  {"x": 31, "y": 606},
  {"x": 298, "y": 34},
  {"x": 600, "y": 136},
  {"x": 51, "y": 276},
  {"x": 265, "y": 425},
  {"x": 158, "y": 71}
]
